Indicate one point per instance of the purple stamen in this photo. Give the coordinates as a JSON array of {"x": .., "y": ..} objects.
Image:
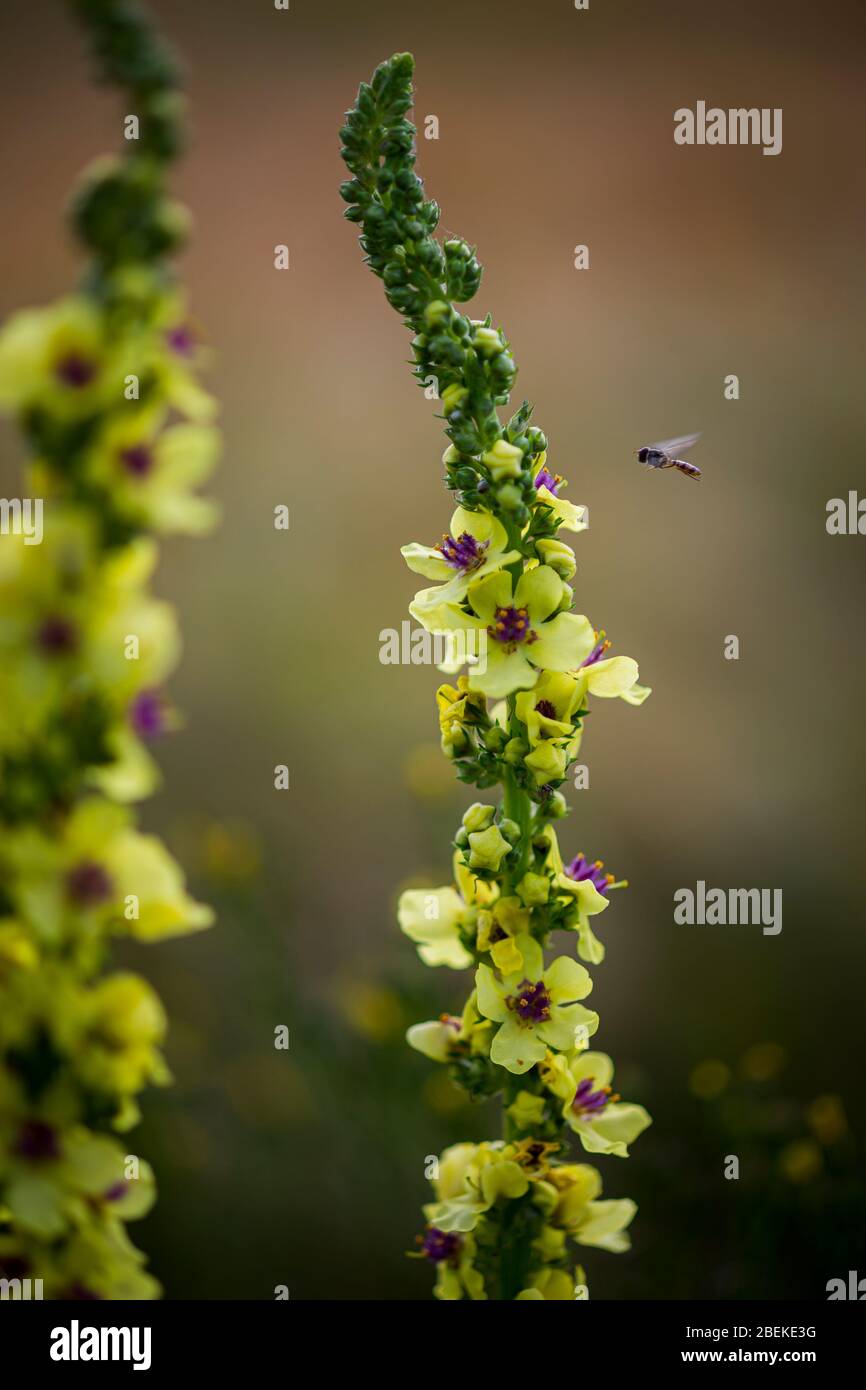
[
  {"x": 545, "y": 708},
  {"x": 440, "y": 1246},
  {"x": 116, "y": 1192},
  {"x": 531, "y": 1003},
  {"x": 147, "y": 714},
  {"x": 137, "y": 460},
  {"x": 511, "y": 627},
  {"x": 36, "y": 1141},
  {"x": 580, "y": 869},
  {"x": 57, "y": 636},
  {"x": 75, "y": 370},
  {"x": 549, "y": 480},
  {"x": 88, "y": 884},
  {"x": 589, "y": 1102},
  {"x": 181, "y": 339},
  {"x": 464, "y": 554},
  {"x": 597, "y": 652}
]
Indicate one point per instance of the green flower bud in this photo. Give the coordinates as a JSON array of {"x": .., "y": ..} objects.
[
  {"x": 547, "y": 762},
  {"x": 510, "y": 829},
  {"x": 445, "y": 351},
  {"x": 534, "y": 889},
  {"x": 515, "y": 751},
  {"x": 558, "y": 555},
  {"x": 437, "y": 312},
  {"x": 455, "y": 742},
  {"x": 478, "y": 816},
  {"x": 554, "y": 806},
  {"x": 452, "y": 397},
  {"x": 487, "y": 849},
  {"x": 464, "y": 436},
  {"x": 545, "y": 1197},
  {"x": 161, "y": 129},
  {"x": 504, "y": 368},
  {"x": 503, "y": 460},
  {"x": 495, "y": 739},
  {"x": 172, "y": 224},
  {"x": 487, "y": 341}
]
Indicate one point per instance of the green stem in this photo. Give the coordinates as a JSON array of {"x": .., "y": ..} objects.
[
  {"x": 514, "y": 1250},
  {"x": 517, "y": 806}
]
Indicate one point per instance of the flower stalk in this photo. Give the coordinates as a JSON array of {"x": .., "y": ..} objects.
[
  {"x": 103, "y": 386},
  {"x": 507, "y": 1214}
]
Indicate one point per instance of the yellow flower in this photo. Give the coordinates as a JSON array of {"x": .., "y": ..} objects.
[
  {"x": 602, "y": 1122},
  {"x": 57, "y": 359},
  {"x": 547, "y": 485},
  {"x": 476, "y": 546},
  {"x": 125, "y": 1023},
  {"x": 439, "y": 920},
  {"x": 549, "y": 1284},
  {"x": 516, "y": 630},
  {"x": 98, "y": 872},
  {"x": 151, "y": 472}
]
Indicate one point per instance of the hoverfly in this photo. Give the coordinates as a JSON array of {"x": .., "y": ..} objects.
[{"x": 664, "y": 455}]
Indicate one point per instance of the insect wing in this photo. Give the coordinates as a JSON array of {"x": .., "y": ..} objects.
[{"x": 681, "y": 445}]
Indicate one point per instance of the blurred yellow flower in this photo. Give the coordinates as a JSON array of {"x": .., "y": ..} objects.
[
  {"x": 372, "y": 1010},
  {"x": 801, "y": 1161},
  {"x": 709, "y": 1078},
  {"x": 762, "y": 1062},
  {"x": 827, "y": 1119}
]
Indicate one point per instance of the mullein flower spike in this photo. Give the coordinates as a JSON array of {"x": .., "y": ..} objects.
[
  {"x": 104, "y": 387},
  {"x": 507, "y": 1214}
]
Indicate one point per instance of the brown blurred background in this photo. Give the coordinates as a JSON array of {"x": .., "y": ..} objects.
[{"x": 556, "y": 128}]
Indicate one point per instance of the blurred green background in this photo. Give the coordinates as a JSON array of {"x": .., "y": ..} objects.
[{"x": 556, "y": 128}]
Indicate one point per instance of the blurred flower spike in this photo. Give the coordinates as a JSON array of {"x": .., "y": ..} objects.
[
  {"x": 507, "y": 1216},
  {"x": 103, "y": 386}
]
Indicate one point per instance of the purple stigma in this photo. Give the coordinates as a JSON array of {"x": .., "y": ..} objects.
[
  {"x": 548, "y": 480},
  {"x": 75, "y": 370},
  {"x": 137, "y": 460},
  {"x": 36, "y": 1141},
  {"x": 511, "y": 627},
  {"x": 589, "y": 1102},
  {"x": 88, "y": 884},
  {"x": 463, "y": 554},
  {"x": 531, "y": 1003},
  {"x": 440, "y": 1246},
  {"x": 181, "y": 339},
  {"x": 580, "y": 869},
  {"x": 147, "y": 714},
  {"x": 57, "y": 636}
]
